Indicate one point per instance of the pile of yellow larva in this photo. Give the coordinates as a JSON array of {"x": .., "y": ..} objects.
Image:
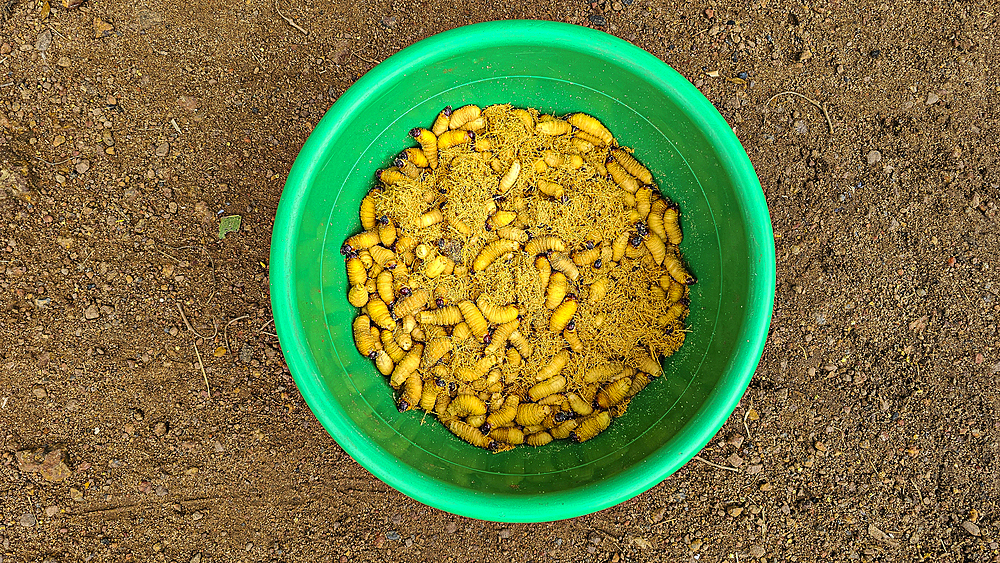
[{"x": 518, "y": 276}]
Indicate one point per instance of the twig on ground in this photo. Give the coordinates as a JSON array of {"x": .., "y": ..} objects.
[
  {"x": 65, "y": 160},
  {"x": 716, "y": 465},
  {"x": 191, "y": 328},
  {"x": 225, "y": 331},
  {"x": 289, "y": 20},
  {"x": 822, "y": 106},
  {"x": 745, "y": 415},
  {"x": 202, "y": 366},
  {"x": 367, "y": 60},
  {"x": 919, "y": 494}
]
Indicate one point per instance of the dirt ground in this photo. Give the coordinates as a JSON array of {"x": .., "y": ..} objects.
[{"x": 128, "y": 128}]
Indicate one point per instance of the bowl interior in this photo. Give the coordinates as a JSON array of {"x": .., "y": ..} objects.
[{"x": 695, "y": 160}]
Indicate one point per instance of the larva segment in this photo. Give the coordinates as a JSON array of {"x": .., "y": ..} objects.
[
  {"x": 492, "y": 251},
  {"x": 406, "y": 366},
  {"x": 464, "y": 115},
  {"x": 556, "y": 291},
  {"x": 471, "y": 434},
  {"x": 562, "y": 315},
  {"x": 531, "y": 413},
  {"x": 613, "y": 393},
  {"x": 548, "y": 387},
  {"x": 450, "y": 139},
  {"x": 621, "y": 177},
  {"x": 494, "y": 313},
  {"x": 591, "y": 426},
  {"x": 538, "y": 439},
  {"x": 363, "y": 336},
  {"x": 474, "y": 318},
  {"x": 428, "y": 144},
  {"x": 592, "y": 126},
  {"x": 554, "y": 127},
  {"x": 544, "y": 243},
  {"x": 510, "y": 177},
  {"x": 633, "y": 166},
  {"x": 554, "y": 367},
  {"x": 441, "y": 121}
]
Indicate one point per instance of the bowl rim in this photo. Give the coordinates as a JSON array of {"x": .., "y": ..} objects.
[{"x": 511, "y": 507}]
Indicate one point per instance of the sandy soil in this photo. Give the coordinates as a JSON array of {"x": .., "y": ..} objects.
[{"x": 126, "y": 129}]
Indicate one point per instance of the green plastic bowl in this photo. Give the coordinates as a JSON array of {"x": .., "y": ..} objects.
[{"x": 696, "y": 160}]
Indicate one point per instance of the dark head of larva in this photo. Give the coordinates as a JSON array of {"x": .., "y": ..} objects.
[
  {"x": 571, "y": 326},
  {"x": 399, "y": 162},
  {"x": 608, "y": 160},
  {"x": 691, "y": 280},
  {"x": 485, "y": 428},
  {"x": 472, "y": 136},
  {"x": 405, "y": 291},
  {"x": 346, "y": 249},
  {"x": 571, "y": 297},
  {"x": 493, "y": 446},
  {"x": 384, "y": 220},
  {"x": 488, "y": 227},
  {"x": 573, "y": 436},
  {"x": 562, "y": 416},
  {"x": 565, "y": 198},
  {"x": 488, "y": 338},
  {"x": 452, "y": 388},
  {"x": 642, "y": 229},
  {"x": 378, "y": 173},
  {"x": 499, "y": 198},
  {"x": 574, "y": 128},
  {"x": 598, "y": 263},
  {"x": 440, "y": 383},
  {"x": 415, "y": 132},
  {"x": 372, "y": 355},
  {"x": 447, "y": 111},
  {"x": 439, "y": 302},
  {"x": 589, "y": 244},
  {"x": 635, "y": 240},
  {"x": 403, "y": 406},
  {"x": 684, "y": 301}
]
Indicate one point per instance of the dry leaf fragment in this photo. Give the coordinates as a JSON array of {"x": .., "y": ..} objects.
[{"x": 102, "y": 28}]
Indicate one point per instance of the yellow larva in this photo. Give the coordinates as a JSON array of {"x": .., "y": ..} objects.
[
  {"x": 358, "y": 295},
  {"x": 406, "y": 366},
  {"x": 655, "y": 221},
  {"x": 479, "y": 369},
  {"x": 586, "y": 257},
  {"x": 363, "y": 336},
  {"x": 415, "y": 156},
  {"x": 564, "y": 429},
  {"x": 432, "y": 217},
  {"x": 554, "y": 127},
  {"x": 563, "y": 314},
  {"x": 497, "y": 314},
  {"x": 416, "y": 301},
  {"x": 538, "y": 439},
  {"x": 505, "y": 414},
  {"x": 464, "y": 115},
  {"x": 646, "y": 363},
  {"x": 552, "y": 159},
  {"x": 384, "y": 362},
  {"x": 554, "y": 400},
  {"x": 367, "y": 212},
  {"x": 380, "y": 314},
  {"x": 461, "y": 332},
  {"x": 467, "y": 405},
  {"x": 675, "y": 292},
  {"x": 619, "y": 246},
  {"x": 392, "y": 176},
  {"x": 363, "y": 240},
  {"x": 544, "y": 243},
  {"x": 584, "y": 136},
  {"x": 513, "y": 358},
  {"x": 428, "y": 144},
  {"x": 554, "y": 367},
  {"x": 410, "y": 393},
  {"x": 621, "y": 177},
  {"x": 598, "y": 290},
  {"x": 556, "y": 291},
  {"x": 578, "y": 405},
  {"x": 500, "y": 336},
  {"x": 551, "y": 189},
  {"x": 643, "y": 199},
  {"x": 383, "y": 284},
  {"x": 471, "y": 434},
  {"x": 638, "y": 384},
  {"x": 583, "y": 146},
  {"x": 672, "y": 226},
  {"x": 544, "y": 270},
  {"x": 677, "y": 270},
  {"x": 613, "y": 393},
  {"x": 674, "y": 313},
  {"x": 525, "y": 117},
  {"x": 492, "y": 251},
  {"x": 591, "y": 426},
  {"x": 501, "y": 219},
  {"x": 429, "y": 396},
  {"x": 524, "y": 348},
  {"x": 383, "y": 256},
  {"x": 483, "y": 144},
  {"x": 531, "y": 413},
  {"x": 474, "y": 317},
  {"x": 592, "y": 126},
  {"x": 512, "y": 233},
  {"x": 573, "y": 339},
  {"x": 508, "y": 179},
  {"x": 409, "y": 169},
  {"x": 656, "y": 248},
  {"x": 439, "y": 265},
  {"x": 602, "y": 372},
  {"x": 434, "y": 350},
  {"x": 633, "y": 166},
  {"x": 510, "y": 435},
  {"x": 449, "y": 315},
  {"x": 391, "y": 347},
  {"x": 548, "y": 387},
  {"x": 450, "y": 139},
  {"x": 387, "y": 232},
  {"x": 441, "y": 121},
  {"x": 564, "y": 264},
  {"x": 575, "y": 161}
]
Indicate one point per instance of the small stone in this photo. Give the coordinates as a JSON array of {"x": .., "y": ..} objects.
[
  {"x": 112, "y": 101},
  {"x": 102, "y": 28},
  {"x": 820, "y": 446},
  {"x": 82, "y": 166},
  {"x": 197, "y": 556},
  {"x": 44, "y": 40},
  {"x": 597, "y": 20},
  {"x": 392, "y": 536},
  {"x": 160, "y": 428},
  {"x": 709, "y": 13},
  {"x": 734, "y": 460},
  {"x": 75, "y": 494},
  {"x": 658, "y": 514},
  {"x": 874, "y": 157},
  {"x": 735, "y": 511},
  {"x": 51, "y": 511},
  {"x": 389, "y": 22},
  {"x": 757, "y": 551},
  {"x": 736, "y": 440},
  {"x": 28, "y": 520},
  {"x": 161, "y": 491},
  {"x": 162, "y": 149},
  {"x": 91, "y": 313},
  {"x": 765, "y": 487},
  {"x": 64, "y": 62},
  {"x": 450, "y": 527},
  {"x": 595, "y": 538},
  {"x": 696, "y": 545},
  {"x": 932, "y": 99},
  {"x": 805, "y": 56},
  {"x": 504, "y": 533},
  {"x": 971, "y": 527},
  {"x": 39, "y": 392},
  {"x": 197, "y": 516},
  {"x": 54, "y": 467},
  {"x": 58, "y": 140},
  {"x": 5, "y": 48},
  {"x": 617, "y": 6}
]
